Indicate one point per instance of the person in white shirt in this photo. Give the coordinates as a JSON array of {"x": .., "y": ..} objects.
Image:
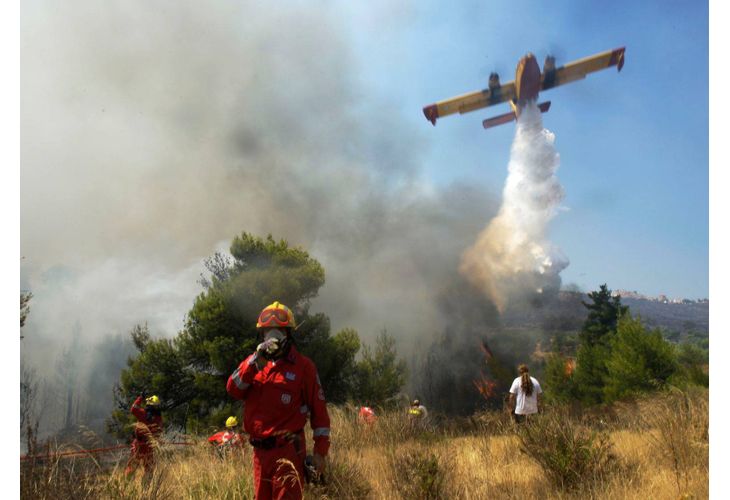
[{"x": 525, "y": 395}]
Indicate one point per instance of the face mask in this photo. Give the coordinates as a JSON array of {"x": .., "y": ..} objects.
[{"x": 274, "y": 333}]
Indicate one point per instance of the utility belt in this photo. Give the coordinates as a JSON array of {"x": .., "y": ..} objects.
[{"x": 272, "y": 442}]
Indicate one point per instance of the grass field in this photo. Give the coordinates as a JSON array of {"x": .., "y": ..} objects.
[{"x": 655, "y": 448}]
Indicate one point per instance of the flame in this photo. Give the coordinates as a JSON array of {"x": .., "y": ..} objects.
[
  {"x": 569, "y": 367},
  {"x": 487, "y": 388}
]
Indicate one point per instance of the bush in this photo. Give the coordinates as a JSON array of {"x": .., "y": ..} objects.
[
  {"x": 418, "y": 474},
  {"x": 571, "y": 456},
  {"x": 343, "y": 480},
  {"x": 640, "y": 360},
  {"x": 559, "y": 384},
  {"x": 679, "y": 431}
]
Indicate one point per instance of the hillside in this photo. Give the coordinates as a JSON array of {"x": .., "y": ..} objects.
[{"x": 567, "y": 313}]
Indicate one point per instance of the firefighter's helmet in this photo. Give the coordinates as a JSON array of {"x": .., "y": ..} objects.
[
  {"x": 152, "y": 401},
  {"x": 276, "y": 315},
  {"x": 231, "y": 422}
]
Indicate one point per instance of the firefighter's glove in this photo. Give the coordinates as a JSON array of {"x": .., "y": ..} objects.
[
  {"x": 265, "y": 351},
  {"x": 319, "y": 463}
]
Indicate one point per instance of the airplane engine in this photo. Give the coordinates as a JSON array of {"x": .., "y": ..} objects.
[
  {"x": 549, "y": 71},
  {"x": 493, "y": 81},
  {"x": 549, "y": 64}
]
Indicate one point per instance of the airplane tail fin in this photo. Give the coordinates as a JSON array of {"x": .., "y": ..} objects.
[{"x": 508, "y": 117}]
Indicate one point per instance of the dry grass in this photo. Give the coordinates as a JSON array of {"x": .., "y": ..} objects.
[{"x": 662, "y": 441}]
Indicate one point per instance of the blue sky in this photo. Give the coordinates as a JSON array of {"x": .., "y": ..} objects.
[{"x": 633, "y": 145}]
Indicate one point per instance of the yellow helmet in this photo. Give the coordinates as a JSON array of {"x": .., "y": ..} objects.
[
  {"x": 231, "y": 422},
  {"x": 276, "y": 315},
  {"x": 152, "y": 401}
]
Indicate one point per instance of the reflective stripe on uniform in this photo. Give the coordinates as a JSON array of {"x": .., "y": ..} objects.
[
  {"x": 237, "y": 380},
  {"x": 321, "y": 431}
]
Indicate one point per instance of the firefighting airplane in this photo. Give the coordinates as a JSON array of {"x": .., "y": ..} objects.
[{"x": 525, "y": 88}]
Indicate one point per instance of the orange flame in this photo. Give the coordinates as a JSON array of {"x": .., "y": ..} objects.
[
  {"x": 569, "y": 367},
  {"x": 487, "y": 388}
]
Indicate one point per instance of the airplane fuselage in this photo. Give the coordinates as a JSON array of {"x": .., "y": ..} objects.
[{"x": 527, "y": 80}]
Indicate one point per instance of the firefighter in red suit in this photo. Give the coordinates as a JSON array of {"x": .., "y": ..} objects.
[
  {"x": 227, "y": 439},
  {"x": 147, "y": 431},
  {"x": 280, "y": 388}
]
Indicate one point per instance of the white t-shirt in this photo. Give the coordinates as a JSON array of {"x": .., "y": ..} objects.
[{"x": 526, "y": 405}]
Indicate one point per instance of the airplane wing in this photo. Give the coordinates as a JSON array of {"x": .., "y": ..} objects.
[
  {"x": 577, "y": 70},
  {"x": 470, "y": 102}
]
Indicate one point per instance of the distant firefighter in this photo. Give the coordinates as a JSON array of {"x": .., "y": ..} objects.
[
  {"x": 525, "y": 395},
  {"x": 367, "y": 415},
  {"x": 229, "y": 438},
  {"x": 147, "y": 432},
  {"x": 417, "y": 413}
]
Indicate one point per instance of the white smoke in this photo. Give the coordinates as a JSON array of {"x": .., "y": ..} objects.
[
  {"x": 151, "y": 135},
  {"x": 512, "y": 258}
]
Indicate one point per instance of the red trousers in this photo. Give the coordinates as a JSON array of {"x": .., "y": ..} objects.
[
  {"x": 278, "y": 472},
  {"x": 141, "y": 453}
]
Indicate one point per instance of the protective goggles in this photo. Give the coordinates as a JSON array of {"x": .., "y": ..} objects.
[{"x": 273, "y": 317}]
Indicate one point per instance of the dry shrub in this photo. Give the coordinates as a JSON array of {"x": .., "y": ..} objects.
[
  {"x": 58, "y": 477},
  {"x": 679, "y": 431},
  {"x": 343, "y": 480},
  {"x": 391, "y": 426},
  {"x": 418, "y": 474},
  {"x": 492, "y": 422},
  {"x": 571, "y": 456},
  {"x": 117, "y": 485}
]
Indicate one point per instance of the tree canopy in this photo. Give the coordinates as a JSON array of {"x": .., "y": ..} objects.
[
  {"x": 618, "y": 357},
  {"x": 189, "y": 372},
  {"x": 595, "y": 336}
]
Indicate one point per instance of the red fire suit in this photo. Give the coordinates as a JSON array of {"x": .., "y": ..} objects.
[
  {"x": 367, "y": 415},
  {"x": 146, "y": 432},
  {"x": 277, "y": 400},
  {"x": 223, "y": 438}
]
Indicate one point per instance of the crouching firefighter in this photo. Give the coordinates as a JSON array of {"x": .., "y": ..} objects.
[
  {"x": 279, "y": 388},
  {"x": 226, "y": 440},
  {"x": 147, "y": 432}
]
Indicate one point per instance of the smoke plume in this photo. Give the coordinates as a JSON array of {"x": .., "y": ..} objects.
[
  {"x": 512, "y": 259},
  {"x": 153, "y": 133}
]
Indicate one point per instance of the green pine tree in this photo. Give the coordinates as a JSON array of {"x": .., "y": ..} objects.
[
  {"x": 189, "y": 372},
  {"x": 640, "y": 360},
  {"x": 380, "y": 374},
  {"x": 595, "y": 336}
]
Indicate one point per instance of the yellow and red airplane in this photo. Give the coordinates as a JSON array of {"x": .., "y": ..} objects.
[{"x": 526, "y": 86}]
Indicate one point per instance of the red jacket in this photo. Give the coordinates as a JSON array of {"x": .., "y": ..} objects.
[
  {"x": 278, "y": 398},
  {"x": 225, "y": 437},
  {"x": 367, "y": 415},
  {"x": 148, "y": 425}
]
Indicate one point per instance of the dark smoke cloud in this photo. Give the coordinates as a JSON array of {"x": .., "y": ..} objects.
[{"x": 151, "y": 134}]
